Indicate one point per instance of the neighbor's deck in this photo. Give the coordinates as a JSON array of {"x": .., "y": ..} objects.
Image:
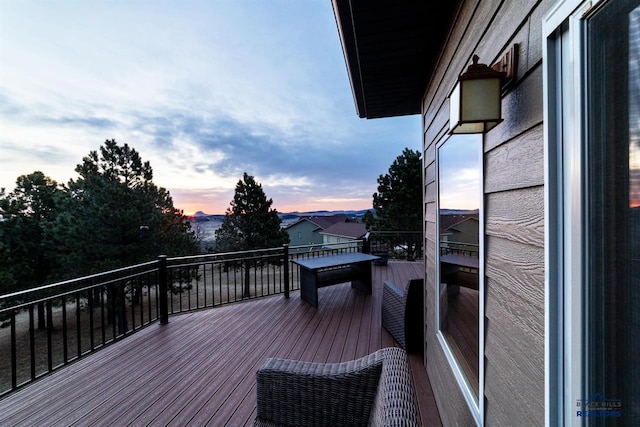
[{"x": 200, "y": 368}]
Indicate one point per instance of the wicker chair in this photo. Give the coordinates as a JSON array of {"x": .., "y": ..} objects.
[
  {"x": 374, "y": 390},
  {"x": 403, "y": 314}
]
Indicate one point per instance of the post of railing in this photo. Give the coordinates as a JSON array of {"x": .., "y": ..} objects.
[
  {"x": 366, "y": 243},
  {"x": 285, "y": 250},
  {"x": 163, "y": 289}
]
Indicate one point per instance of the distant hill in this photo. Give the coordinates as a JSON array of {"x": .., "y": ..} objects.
[
  {"x": 349, "y": 213},
  {"x": 201, "y": 216},
  {"x": 288, "y": 217}
]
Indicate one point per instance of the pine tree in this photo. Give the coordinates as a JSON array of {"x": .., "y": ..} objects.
[
  {"x": 250, "y": 223},
  {"x": 117, "y": 216},
  {"x": 25, "y": 259},
  {"x": 27, "y": 212},
  {"x": 398, "y": 202}
]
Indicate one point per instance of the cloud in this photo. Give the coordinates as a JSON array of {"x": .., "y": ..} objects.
[{"x": 203, "y": 90}]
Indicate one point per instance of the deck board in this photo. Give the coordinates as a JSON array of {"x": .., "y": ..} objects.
[{"x": 200, "y": 368}]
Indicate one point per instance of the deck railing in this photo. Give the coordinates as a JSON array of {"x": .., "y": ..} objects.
[
  {"x": 51, "y": 326},
  {"x": 458, "y": 248},
  {"x": 397, "y": 244}
]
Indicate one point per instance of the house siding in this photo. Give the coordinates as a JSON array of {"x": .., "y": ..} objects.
[
  {"x": 308, "y": 234},
  {"x": 514, "y": 215}
]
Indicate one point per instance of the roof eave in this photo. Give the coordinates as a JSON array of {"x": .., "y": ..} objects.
[{"x": 390, "y": 51}]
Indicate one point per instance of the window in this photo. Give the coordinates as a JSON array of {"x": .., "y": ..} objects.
[
  {"x": 460, "y": 218},
  {"x": 592, "y": 98}
]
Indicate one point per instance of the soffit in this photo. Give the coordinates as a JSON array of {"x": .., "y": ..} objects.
[{"x": 391, "y": 49}]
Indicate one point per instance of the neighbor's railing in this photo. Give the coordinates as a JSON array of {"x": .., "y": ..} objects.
[
  {"x": 457, "y": 248},
  {"x": 51, "y": 326}
]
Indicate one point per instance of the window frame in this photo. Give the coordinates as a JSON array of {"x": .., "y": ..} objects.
[
  {"x": 564, "y": 105},
  {"x": 476, "y": 405}
]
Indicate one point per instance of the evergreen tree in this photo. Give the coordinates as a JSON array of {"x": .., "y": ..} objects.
[
  {"x": 368, "y": 219},
  {"x": 398, "y": 202},
  {"x": 250, "y": 223},
  {"x": 25, "y": 259},
  {"x": 27, "y": 213},
  {"x": 116, "y": 216}
]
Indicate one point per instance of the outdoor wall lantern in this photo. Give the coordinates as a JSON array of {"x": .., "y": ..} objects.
[{"x": 475, "y": 105}]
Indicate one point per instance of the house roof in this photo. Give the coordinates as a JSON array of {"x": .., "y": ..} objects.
[
  {"x": 327, "y": 221},
  {"x": 351, "y": 230},
  {"x": 391, "y": 50},
  {"x": 322, "y": 222},
  {"x": 449, "y": 222}
]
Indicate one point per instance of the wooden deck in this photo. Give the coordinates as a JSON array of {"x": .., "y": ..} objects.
[{"x": 200, "y": 368}]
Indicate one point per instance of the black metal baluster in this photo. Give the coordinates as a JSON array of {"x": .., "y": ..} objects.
[
  {"x": 204, "y": 279},
  {"x": 78, "y": 326},
  {"x": 14, "y": 358},
  {"x": 197, "y": 270},
  {"x": 102, "y": 322},
  {"x": 133, "y": 304},
  {"x": 123, "y": 310},
  {"x": 65, "y": 354},
  {"x": 32, "y": 344},
  {"x": 143, "y": 280},
  {"x": 285, "y": 257},
  {"x": 162, "y": 291},
  {"x": 91, "y": 305},
  {"x": 49, "y": 336},
  {"x": 113, "y": 306},
  {"x": 220, "y": 276},
  {"x": 149, "y": 295},
  {"x": 188, "y": 285}
]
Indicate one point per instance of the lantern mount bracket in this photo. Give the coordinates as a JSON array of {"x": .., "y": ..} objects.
[{"x": 508, "y": 65}]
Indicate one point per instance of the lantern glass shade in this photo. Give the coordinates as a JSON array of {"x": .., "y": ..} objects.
[{"x": 475, "y": 105}]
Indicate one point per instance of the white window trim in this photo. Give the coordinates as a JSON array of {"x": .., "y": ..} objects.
[
  {"x": 564, "y": 216},
  {"x": 476, "y": 407}
]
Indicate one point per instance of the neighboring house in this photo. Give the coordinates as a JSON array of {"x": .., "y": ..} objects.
[
  {"x": 555, "y": 332},
  {"x": 343, "y": 234},
  {"x": 306, "y": 231},
  {"x": 459, "y": 228}
]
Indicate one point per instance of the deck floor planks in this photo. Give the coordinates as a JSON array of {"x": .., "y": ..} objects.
[
  {"x": 364, "y": 333},
  {"x": 217, "y": 385},
  {"x": 181, "y": 388},
  {"x": 176, "y": 362},
  {"x": 205, "y": 381},
  {"x": 245, "y": 386},
  {"x": 78, "y": 368},
  {"x": 76, "y": 399},
  {"x": 335, "y": 336}
]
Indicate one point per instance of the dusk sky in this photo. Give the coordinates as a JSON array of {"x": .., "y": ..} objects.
[
  {"x": 204, "y": 90},
  {"x": 459, "y": 172}
]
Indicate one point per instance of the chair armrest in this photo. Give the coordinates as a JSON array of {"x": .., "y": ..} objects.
[
  {"x": 301, "y": 393},
  {"x": 396, "y": 403},
  {"x": 414, "y": 316}
]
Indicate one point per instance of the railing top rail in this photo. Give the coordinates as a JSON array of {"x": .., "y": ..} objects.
[
  {"x": 447, "y": 243},
  {"x": 224, "y": 257},
  {"x": 96, "y": 280},
  {"x": 217, "y": 255},
  {"x": 393, "y": 232},
  {"x": 317, "y": 247}
]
